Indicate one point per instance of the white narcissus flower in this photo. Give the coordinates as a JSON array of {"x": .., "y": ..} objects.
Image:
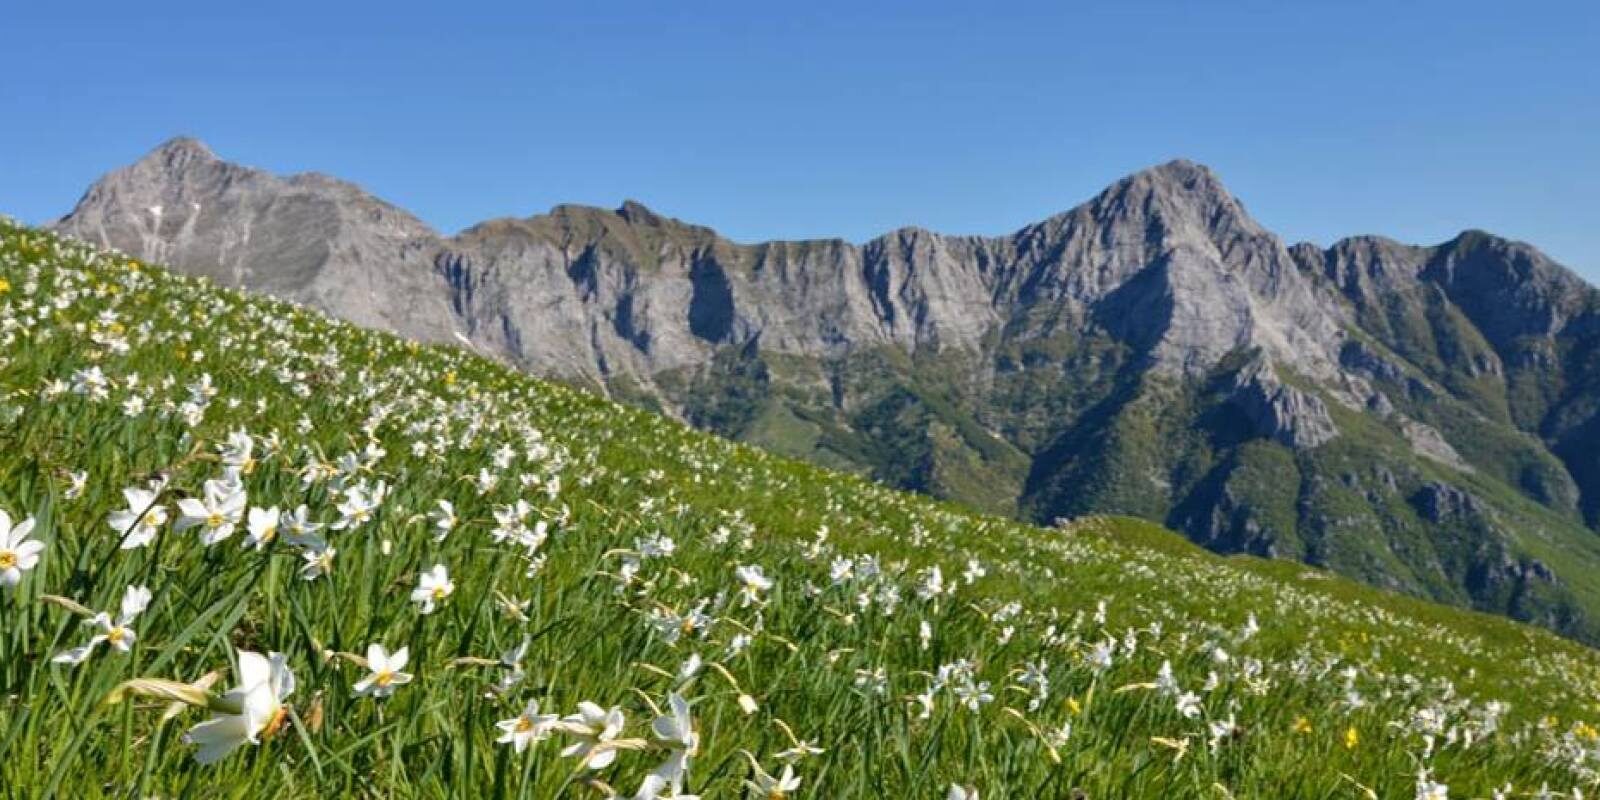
[
  {"x": 773, "y": 788},
  {"x": 386, "y": 674},
  {"x": 318, "y": 556},
  {"x": 513, "y": 515},
  {"x": 316, "y": 470},
  {"x": 237, "y": 451},
  {"x": 141, "y": 521},
  {"x": 752, "y": 582},
  {"x": 433, "y": 587},
  {"x": 486, "y": 481},
  {"x": 261, "y": 526},
  {"x": 962, "y": 793},
  {"x": 1223, "y": 729},
  {"x": 593, "y": 727},
  {"x": 18, "y": 553},
  {"x": 444, "y": 520},
  {"x": 800, "y": 749},
  {"x": 1429, "y": 789},
  {"x": 298, "y": 527},
  {"x": 674, "y": 730},
  {"x": 76, "y": 482},
  {"x": 117, "y": 633},
  {"x": 1100, "y": 657},
  {"x": 359, "y": 504},
  {"x": 690, "y": 666},
  {"x": 254, "y": 708},
  {"x": 525, "y": 728},
  {"x": 1189, "y": 705},
  {"x": 217, "y": 512},
  {"x": 974, "y": 695}
]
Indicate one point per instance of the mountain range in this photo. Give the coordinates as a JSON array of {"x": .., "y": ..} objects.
[{"x": 1423, "y": 418}]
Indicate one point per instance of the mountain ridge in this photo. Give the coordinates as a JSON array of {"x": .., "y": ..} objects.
[{"x": 1153, "y": 351}]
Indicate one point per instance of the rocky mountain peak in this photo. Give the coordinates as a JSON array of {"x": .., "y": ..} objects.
[
  {"x": 308, "y": 238},
  {"x": 1507, "y": 289},
  {"x": 1181, "y": 175},
  {"x": 638, "y": 213},
  {"x": 1175, "y": 194},
  {"x": 1180, "y": 268},
  {"x": 180, "y": 151}
]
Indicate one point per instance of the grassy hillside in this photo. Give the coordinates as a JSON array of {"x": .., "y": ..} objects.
[{"x": 875, "y": 643}]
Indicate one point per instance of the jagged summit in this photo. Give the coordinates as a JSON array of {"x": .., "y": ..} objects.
[
  {"x": 1180, "y": 172},
  {"x": 1178, "y": 182},
  {"x": 1166, "y": 186},
  {"x": 638, "y": 214},
  {"x": 181, "y": 150},
  {"x": 308, "y": 238}
]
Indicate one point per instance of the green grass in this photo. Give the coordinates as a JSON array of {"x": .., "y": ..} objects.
[{"x": 837, "y": 662}]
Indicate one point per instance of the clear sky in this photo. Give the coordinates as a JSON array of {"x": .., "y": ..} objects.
[{"x": 1410, "y": 119}]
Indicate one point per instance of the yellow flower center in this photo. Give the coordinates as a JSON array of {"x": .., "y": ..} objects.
[
  {"x": 116, "y": 634},
  {"x": 439, "y": 592},
  {"x": 8, "y": 559},
  {"x": 384, "y": 677},
  {"x": 269, "y": 533},
  {"x": 280, "y": 718},
  {"x": 524, "y": 724},
  {"x": 214, "y": 520},
  {"x": 150, "y": 519}
]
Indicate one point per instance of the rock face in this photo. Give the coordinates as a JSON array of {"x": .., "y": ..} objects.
[
  {"x": 1283, "y": 413},
  {"x": 1442, "y": 502},
  {"x": 1153, "y": 351},
  {"x": 309, "y": 238},
  {"x": 1425, "y": 441},
  {"x": 1166, "y": 259}
]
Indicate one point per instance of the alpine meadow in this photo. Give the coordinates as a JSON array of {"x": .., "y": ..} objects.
[
  {"x": 1032, "y": 400},
  {"x": 252, "y": 551}
]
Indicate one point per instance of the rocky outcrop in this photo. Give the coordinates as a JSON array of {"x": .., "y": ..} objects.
[
  {"x": 1429, "y": 443},
  {"x": 1442, "y": 502},
  {"x": 1281, "y": 412}
]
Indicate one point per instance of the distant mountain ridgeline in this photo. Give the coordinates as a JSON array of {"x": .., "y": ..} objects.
[{"x": 1422, "y": 418}]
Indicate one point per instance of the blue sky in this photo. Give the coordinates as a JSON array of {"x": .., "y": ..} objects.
[{"x": 1413, "y": 120}]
